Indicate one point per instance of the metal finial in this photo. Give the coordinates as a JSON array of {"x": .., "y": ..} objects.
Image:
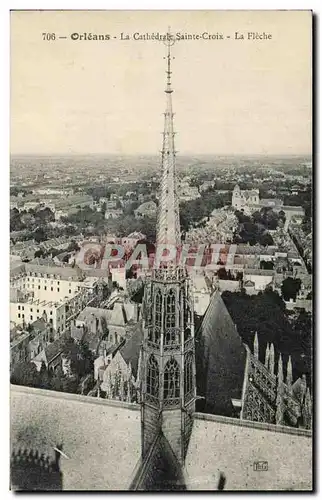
[{"x": 169, "y": 41}]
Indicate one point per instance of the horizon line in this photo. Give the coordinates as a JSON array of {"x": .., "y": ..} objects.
[{"x": 157, "y": 155}]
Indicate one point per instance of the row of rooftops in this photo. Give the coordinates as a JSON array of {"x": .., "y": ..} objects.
[
  {"x": 50, "y": 272},
  {"x": 30, "y": 300}
]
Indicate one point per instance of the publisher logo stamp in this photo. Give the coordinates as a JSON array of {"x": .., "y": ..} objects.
[{"x": 260, "y": 466}]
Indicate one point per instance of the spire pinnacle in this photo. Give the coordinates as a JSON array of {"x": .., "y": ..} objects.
[
  {"x": 256, "y": 346},
  {"x": 168, "y": 225},
  {"x": 272, "y": 359},
  {"x": 280, "y": 374},
  {"x": 289, "y": 373},
  {"x": 267, "y": 353},
  {"x": 169, "y": 42}
]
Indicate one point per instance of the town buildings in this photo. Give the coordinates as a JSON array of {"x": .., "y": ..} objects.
[
  {"x": 249, "y": 201},
  {"x": 56, "y": 294}
]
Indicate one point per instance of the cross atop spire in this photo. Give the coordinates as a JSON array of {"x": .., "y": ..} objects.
[
  {"x": 168, "y": 225},
  {"x": 169, "y": 42}
]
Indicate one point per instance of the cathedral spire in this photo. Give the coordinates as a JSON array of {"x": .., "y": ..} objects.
[
  {"x": 168, "y": 384},
  {"x": 168, "y": 224}
]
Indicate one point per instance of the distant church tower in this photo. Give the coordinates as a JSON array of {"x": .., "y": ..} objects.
[{"x": 168, "y": 390}]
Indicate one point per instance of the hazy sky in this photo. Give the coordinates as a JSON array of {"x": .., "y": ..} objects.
[{"x": 231, "y": 96}]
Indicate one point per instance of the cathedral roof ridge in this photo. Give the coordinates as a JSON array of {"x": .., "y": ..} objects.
[{"x": 252, "y": 424}]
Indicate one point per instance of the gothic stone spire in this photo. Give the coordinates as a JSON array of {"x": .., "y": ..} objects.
[
  {"x": 168, "y": 225},
  {"x": 168, "y": 389}
]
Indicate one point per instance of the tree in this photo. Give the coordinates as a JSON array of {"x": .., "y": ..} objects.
[
  {"x": 25, "y": 373},
  {"x": 39, "y": 234},
  {"x": 264, "y": 313},
  {"x": 44, "y": 377},
  {"x": 57, "y": 379},
  {"x": 266, "y": 240},
  {"x": 53, "y": 252},
  {"x": 87, "y": 357},
  {"x": 222, "y": 274},
  {"x": 290, "y": 288},
  {"x": 282, "y": 216},
  {"x": 40, "y": 253},
  {"x": 73, "y": 247},
  {"x": 266, "y": 264}
]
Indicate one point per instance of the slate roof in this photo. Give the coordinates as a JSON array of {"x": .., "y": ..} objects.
[
  {"x": 115, "y": 316},
  {"x": 131, "y": 349},
  {"x": 66, "y": 272},
  {"x": 39, "y": 325},
  {"x": 50, "y": 352},
  {"x": 220, "y": 359}
]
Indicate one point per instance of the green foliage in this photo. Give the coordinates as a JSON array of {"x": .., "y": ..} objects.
[
  {"x": 73, "y": 247},
  {"x": 44, "y": 377},
  {"x": 302, "y": 199},
  {"x": 193, "y": 211},
  {"x": 31, "y": 220},
  {"x": 25, "y": 374},
  {"x": 40, "y": 253},
  {"x": 82, "y": 365},
  {"x": 80, "y": 356},
  {"x": 63, "y": 383},
  {"x": 265, "y": 313},
  {"x": 290, "y": 288},
  {"x": 40, "y": 234},
  {"x": 120, "y": 189},
  {"x": 266, "y": 264},
  {"x": 223, "y": 274},
  {"x": 253, "y": 228},
  {"x": 265, "y": 239}
]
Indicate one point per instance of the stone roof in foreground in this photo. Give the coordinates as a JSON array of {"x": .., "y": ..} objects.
[
  {"x": 102, "y": 439},
  {"x": 228, "y": 449}
]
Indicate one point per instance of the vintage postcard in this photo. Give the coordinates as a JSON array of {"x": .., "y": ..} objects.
[{"x": 161, "y": 251}]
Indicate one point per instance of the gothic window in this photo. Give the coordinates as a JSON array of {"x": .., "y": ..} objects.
[
  {"x": 188, "y": 373},
  {"x": 157, "y": 335},
  {"x": 171, "y": 309},
  {"x": 171, "y": 388},
  {"x": 150, "y": 334},
  {"x": 152, "y": 382},
  {"x": 187, "y": 315},
  {"x": 187, "y": 334},
  {"x": 171, "y": 337},
  {"x": 158, "y": 309}
]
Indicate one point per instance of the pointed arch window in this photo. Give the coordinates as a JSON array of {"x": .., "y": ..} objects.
[
  {"x": 171, "y": 388},
  {"x": 188, "y": 373},
  {"x": 170, "y": 321},
  {"x": 152, "y": 381},
  {"x": 187, "y": 313},
  {"x": 158, "y": 309}
]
